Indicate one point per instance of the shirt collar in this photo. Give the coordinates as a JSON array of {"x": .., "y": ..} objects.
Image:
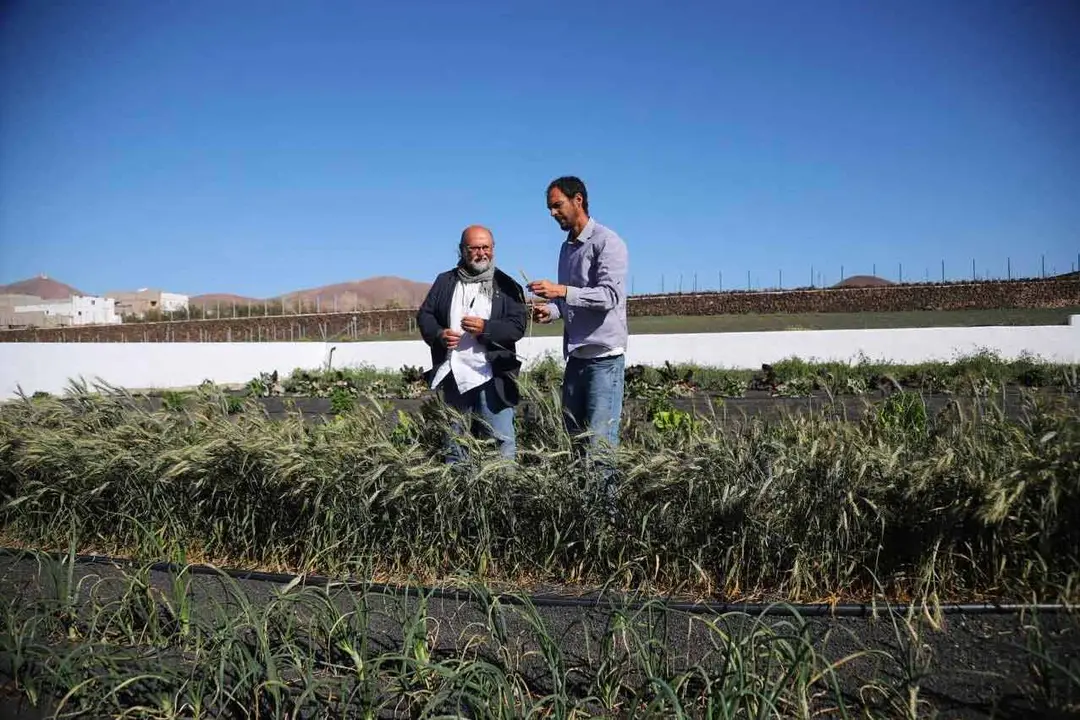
[{"x": 585, "y": 234}]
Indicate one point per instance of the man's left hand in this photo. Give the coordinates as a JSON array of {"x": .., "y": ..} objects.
[
  {"x": 472, "y": 324},
  {"x": 547, "y": 289}
]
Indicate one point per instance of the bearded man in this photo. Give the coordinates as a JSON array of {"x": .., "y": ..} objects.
[
  {"x": 590, "y": 296},
  {"x": 472, "y": 318}
]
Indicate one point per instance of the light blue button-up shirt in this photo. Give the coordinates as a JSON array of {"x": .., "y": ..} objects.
[{"x": 594, "y": 267}]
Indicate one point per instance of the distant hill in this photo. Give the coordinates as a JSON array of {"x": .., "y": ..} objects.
[
  {"x": 371, "y": 293},
  {"x": 42, "y": 287},
  {"x": 863, "y": 281},
  {"x": 374, "y": 292},
  {"x": 211, "y": 299}
]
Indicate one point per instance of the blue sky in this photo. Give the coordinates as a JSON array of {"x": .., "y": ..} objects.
[{"x": 261, "y": 147}]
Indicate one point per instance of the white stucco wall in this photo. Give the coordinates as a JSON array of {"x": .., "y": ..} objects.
[
  {"x": 48, "y": 366},
  {"x": 82, "y": 309},
  {"x": 173, "y": 302},
  {"x": 902, "y": 345},
  {"x": 87, "y": 310}
]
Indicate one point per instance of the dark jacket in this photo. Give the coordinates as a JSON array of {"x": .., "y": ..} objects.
[{"x": 506, "y": 326}]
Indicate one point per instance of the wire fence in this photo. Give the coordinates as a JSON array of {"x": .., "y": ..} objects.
[
  {"x": 213, "y": 310},
  {"x": 815, "y": 277}
]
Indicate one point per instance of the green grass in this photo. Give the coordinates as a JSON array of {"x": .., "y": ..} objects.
[
  {"x": 951, "y": 505},
  {"x": 847, "y": 321},
  {"x": 127, "y": 645},
  {"x": 647, "y": 325},
  {"x": 901, "y": 505},
  {"x": 975, "y": 374}
]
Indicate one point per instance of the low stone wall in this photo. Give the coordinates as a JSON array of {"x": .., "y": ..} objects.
[
  {"x": 275, "y": 328},
  {"x": 351, "y": 325},
  {"x": 895, "y": 298}
]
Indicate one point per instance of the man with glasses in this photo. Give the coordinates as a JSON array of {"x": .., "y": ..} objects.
[{"x": 472, "y": 318}]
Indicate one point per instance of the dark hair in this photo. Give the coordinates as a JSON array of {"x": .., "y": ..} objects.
[{"x": 570, "y": 186}]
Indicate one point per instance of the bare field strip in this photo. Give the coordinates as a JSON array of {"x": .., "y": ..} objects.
[
  {"x": 711, "y": 407},
  {"x": 649, "y": 325},
  {"x": 841, "y": 321}
]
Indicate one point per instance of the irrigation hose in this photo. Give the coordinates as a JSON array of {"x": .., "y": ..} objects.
[{"x": 554, "y": 600}]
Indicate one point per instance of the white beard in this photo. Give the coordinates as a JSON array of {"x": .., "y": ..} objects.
[{"x": 477, "y": 267}]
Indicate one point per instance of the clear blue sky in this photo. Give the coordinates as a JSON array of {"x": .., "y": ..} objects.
[{"x": 258, "y": 147}]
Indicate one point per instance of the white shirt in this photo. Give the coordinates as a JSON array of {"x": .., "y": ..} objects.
[{"x": 467, "y": 361}]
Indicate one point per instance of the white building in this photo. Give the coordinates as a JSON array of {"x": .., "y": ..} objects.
[
  {"x": 76, "y": 310},
  {"x": 174, "y": 302},
  {"x": 145, "y": 301}
]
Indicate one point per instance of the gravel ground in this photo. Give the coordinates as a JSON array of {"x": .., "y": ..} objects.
[{"x": 971, "y": 666}]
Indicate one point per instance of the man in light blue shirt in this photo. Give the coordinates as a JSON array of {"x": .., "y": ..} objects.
[{"x": 590, "y": 296}]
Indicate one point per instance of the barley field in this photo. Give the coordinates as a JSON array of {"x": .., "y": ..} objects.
[
  {"x": 956, "y": 504},
  {"x": 907, "y": 508}
]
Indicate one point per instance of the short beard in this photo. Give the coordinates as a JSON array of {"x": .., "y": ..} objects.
[{"x": 476, "y": 268}]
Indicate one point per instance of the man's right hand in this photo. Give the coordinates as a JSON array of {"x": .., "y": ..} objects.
[
  {"x": 451, "y": 337},
  {"x": 541, "y": 313}
]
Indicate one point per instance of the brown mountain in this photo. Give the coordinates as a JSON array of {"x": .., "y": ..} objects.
[
  {"x": 211, "y": 299},
  {"x": 861, "y": 281},
  {"x": 371, "y": 293},
  {"x": 376, "y": 292},
  {"x": 42, "y": 287}
]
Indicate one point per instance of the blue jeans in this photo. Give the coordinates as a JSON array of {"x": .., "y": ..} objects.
[
  {"x": 592, "y": 397},
  {"x": 485, "y": 414}
]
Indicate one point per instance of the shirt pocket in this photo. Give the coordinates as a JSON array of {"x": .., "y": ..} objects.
[{"x": 584, "y": 264}]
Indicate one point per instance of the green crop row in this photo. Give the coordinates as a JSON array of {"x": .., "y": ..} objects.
[
  {"x": 100, "y": 642},
  {"x": 975, "y": 374},
  {"x": 964, "y": 502}
]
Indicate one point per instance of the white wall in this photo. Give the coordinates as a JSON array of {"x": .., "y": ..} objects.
[
  {"x": 1055, "y": 343},
  {"x": 173, "y": 302},
  {"x": 56, "y": 307},
  {"x": 93, "y": 310},
  {"x": 8, "y": 301},
  {"x": 47, "y": 366},
  {"x": 82, "y": 309}
]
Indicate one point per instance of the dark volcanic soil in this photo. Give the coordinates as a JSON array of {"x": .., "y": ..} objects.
[
  {"x": 970, "y": 666},
  {"x": 755, "y": 404}
]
